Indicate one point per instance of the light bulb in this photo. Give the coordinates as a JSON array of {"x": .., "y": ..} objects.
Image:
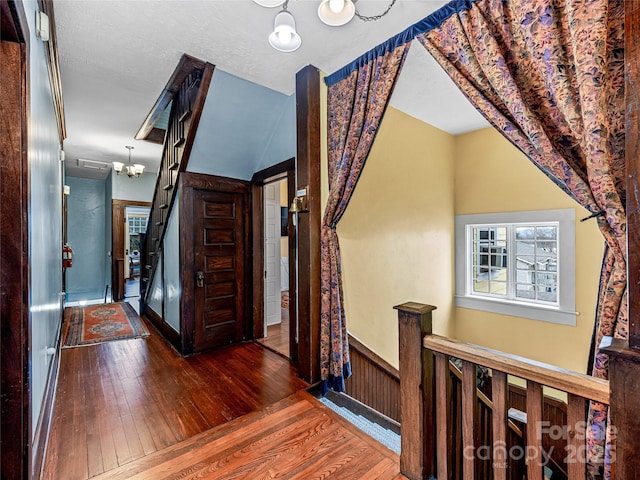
[{"x": 336, "y": 6}]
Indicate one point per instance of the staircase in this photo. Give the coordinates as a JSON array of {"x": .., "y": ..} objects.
[{"x": 184, "y": 97}]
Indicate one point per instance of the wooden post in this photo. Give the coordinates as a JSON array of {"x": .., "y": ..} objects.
[
  {"x": 417, "y": 392},
  {"x": 624, "y": 357},
  {"x": 624, "y": 408}
]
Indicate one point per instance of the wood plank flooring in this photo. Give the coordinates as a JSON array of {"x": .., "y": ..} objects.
[
  {"x": 120, "y": 401},
  {"x": 277, "y": 337},
  {"x": 297, "y": 438}
]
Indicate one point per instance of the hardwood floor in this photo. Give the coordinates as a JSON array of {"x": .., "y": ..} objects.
[
  {"x": 297, "y": 438},
  {"x": 277, "y": 337},
  {"x": 120, "y": 401}
]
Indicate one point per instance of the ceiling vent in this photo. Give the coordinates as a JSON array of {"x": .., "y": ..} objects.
[{"x": 93, "y": 164}]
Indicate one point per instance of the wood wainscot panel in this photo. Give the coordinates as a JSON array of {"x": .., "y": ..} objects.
[{"x": 374, "y": 382}]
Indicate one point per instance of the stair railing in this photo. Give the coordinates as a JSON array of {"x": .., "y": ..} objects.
[{"x": 424, "y": 404}]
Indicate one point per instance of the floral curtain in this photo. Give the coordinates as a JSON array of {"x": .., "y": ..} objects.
[
  {"x": 356, "y": 105},
  {"x": 549, "y": 75}
]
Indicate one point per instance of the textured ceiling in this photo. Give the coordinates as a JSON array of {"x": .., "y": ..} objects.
[{"x": 116, "y": 57}]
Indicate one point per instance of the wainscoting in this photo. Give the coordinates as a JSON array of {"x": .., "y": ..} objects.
[{"x": 374, "y": 382}]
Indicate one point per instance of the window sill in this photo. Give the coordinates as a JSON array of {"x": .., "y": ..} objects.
[{"x": 533, "y": 312}]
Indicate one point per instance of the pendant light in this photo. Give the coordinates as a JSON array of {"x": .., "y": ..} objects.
[
  {"x": 336, "y": 12},
  {"x": 284, "y": 37}
]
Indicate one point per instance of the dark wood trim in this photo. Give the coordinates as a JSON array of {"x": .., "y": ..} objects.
[
  {"x": 269, "y": 173},
  {"x": 293, "y": 272},
  {"x": 15, "y": 328},
  {"x": 187, "y": 259},
  {"x": 43, "y": 427},
  {"x": 286, "y": 170},
  {"x": 185, "y": 66},
  {"x": 53, "y": 64},
  {"x": 196, "y": 113},
  {"x": 257, "y": 226},
  {"x": 169, "y": 334},
  {"x": 374, "y": 382},
  {"x": 198, "y": 181},
  {"x": 118, "y": 211},
  {"x": 632, "y": 154},
  {"x": 10, "y": 20},
  {"x": 308, "y": 229}
]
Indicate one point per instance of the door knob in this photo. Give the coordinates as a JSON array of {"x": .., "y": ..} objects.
[{"x": 199, "y": 279}]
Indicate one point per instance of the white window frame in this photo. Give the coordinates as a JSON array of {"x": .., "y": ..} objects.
[{"x": 564, "y": 312}]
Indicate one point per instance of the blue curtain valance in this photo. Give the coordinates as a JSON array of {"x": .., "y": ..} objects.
[{"x": 428, "y": 23}]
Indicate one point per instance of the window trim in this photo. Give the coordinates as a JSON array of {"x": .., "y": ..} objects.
[{"x": 564, "y": 313}]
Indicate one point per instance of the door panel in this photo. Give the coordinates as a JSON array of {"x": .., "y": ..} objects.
[{"x": 220, "y": 257}]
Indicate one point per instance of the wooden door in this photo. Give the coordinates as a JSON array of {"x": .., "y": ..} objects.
[{"x": 219, "y": 268}]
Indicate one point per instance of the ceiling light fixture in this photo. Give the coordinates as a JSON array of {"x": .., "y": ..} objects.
[
  {"x": 132, "y": 170},
  {"x": 335, "y": 13},
  {"x": 284, "y": 37}
]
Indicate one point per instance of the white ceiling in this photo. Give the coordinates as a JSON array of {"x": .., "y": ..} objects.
[{"x": 116, "y": 57}]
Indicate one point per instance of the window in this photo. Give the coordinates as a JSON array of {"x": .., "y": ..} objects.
[
  {"x": 518, "y": 263},
  {"x": 137, "y": 225}
]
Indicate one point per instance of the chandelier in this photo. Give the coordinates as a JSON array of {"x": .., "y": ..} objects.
[
  {"x": 132, "y": 170},
  {"x": 335, "y": 13}
]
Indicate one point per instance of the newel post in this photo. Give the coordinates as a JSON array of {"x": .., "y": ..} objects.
[{"x": 417, "y": 392}]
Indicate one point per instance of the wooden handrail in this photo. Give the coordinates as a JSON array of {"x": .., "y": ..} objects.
[{"x": 571, "y": 382}]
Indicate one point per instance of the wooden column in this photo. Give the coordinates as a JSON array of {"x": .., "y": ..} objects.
[
  {"x": 624, "y": 358},
  {"x": 417, "y": 392},
  {"x": 308, "y": 227}
]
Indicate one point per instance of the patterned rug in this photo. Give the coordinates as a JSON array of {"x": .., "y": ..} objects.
[{"x": 102, "y": 323}]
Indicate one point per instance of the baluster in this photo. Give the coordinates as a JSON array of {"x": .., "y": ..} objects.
[
  {"x": 468, "y": 419},
  {"x": 499, "y": 394},
  {"x": 534, "y": 431},
  {"x": 443, "y": 378},
  {"x": 575, "y": 439}
]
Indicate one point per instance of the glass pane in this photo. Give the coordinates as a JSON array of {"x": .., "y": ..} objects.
[
  {"x": 548, "y": 295},
  {"x": 525, "y": 233},
  {"x": 525, "y": 248},
  {"x": 525, "y": 262},
  {"x": 527, "y": 292},
  {"x": 481, "y": 285},
  {"x": 547, "y": 233},
  {"x": 546, "y": 247}
]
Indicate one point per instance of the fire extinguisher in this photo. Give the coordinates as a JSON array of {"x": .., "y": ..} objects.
[{"x": 67, "y": 256}]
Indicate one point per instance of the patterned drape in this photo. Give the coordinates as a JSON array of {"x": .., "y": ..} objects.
[
  {"x": 548, "y": 74},
  {"x": 356, "y": 106}
]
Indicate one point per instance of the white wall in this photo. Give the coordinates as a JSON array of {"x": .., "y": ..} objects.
[{"x": 45, "y": 218}]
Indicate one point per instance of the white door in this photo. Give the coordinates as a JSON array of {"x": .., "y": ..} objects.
[{"x": 271, "y": 254}]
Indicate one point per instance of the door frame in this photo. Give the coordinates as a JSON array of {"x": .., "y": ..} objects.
[
  {"x": 286, "y": 169},
  {"x": 118, "y": 218},
  {"x": 16, "y": 448}
]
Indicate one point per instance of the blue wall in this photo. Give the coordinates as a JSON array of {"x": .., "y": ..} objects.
[
  {"x": 45, "y": 219},
  {"x": 86, "y": 236}
]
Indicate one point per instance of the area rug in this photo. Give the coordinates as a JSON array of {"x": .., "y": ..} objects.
[{"x": 102, "y": 323}]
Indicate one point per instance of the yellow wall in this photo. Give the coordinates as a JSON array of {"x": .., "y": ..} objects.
[
  {"x": 396, "y": 236},
  {"x": 491, "y": 175}
]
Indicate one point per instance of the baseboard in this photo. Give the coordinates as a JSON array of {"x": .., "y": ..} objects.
[
  {"x": 169, "y": 334},
  {"x": 43, "y": 427}
]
